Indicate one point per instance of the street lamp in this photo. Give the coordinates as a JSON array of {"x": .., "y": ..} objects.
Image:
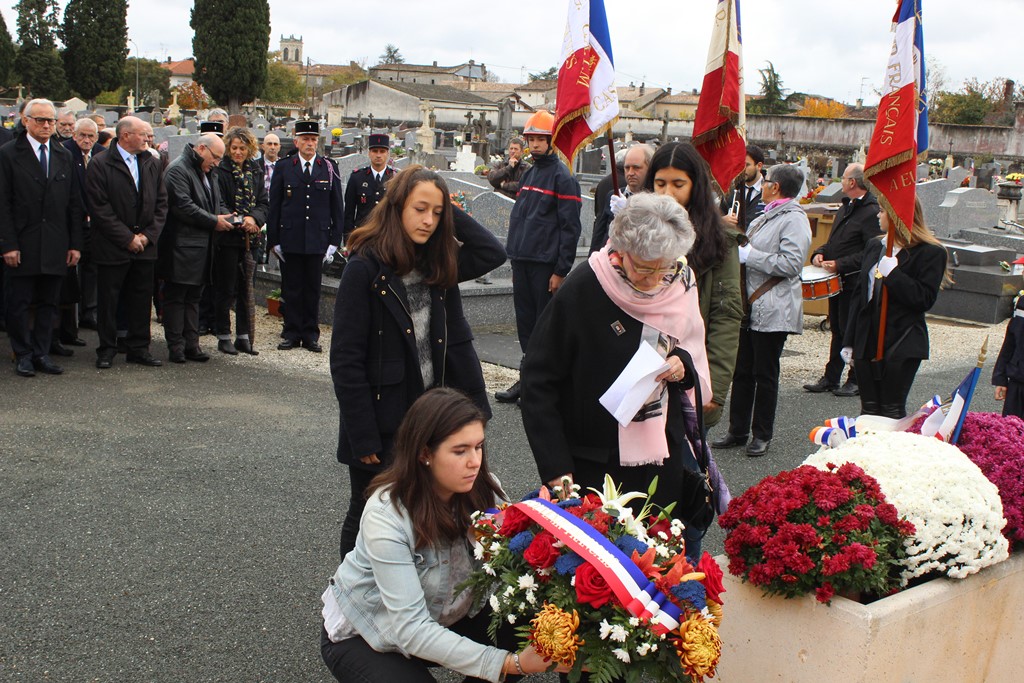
[{"x": 138, "y": 97}]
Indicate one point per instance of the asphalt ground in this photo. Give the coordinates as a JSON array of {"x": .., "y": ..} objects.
[{"x": 179, "y": 523}]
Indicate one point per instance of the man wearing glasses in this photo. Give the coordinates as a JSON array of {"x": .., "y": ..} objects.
[
  {"x": 40, "y": 234},
  {"x": 183, "y": 254}
]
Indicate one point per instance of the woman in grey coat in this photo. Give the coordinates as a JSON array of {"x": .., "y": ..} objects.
[{"x": 779, "y": 241}]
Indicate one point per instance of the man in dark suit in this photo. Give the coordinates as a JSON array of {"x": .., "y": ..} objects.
[
  {"x": 749, "y": 196},
  {"x": 304, "y": 229},
  {"x": 194, "y": 211},
  {"x": 82, "y": 141},
  {"x": 5, "y": 136},
  {"x": 366, "y": 185},
  {"x": 128, "y": 206},
  {"x": 855, "y": 224},
  {"x": 40, "y": 234}
]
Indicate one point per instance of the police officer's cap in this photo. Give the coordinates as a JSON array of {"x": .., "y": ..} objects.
[
  {"x": 307, "y": 128},
  {"x": 380, "y": 140},
  {"x": 215, "y": 127}
]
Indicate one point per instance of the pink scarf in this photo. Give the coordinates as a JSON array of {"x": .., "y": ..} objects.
[{"x": 675, "y": 312}]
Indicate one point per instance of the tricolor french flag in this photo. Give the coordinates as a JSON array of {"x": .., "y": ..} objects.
[
  {"x": 947, "y": 425},
  {"x": 587, "y": 103}
]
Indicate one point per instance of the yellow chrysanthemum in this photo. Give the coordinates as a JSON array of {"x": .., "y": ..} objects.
[
  {"x": 554, "y": 634},
  {"x": 716, "y": 613},
  {"x": 698, "y": 646}
]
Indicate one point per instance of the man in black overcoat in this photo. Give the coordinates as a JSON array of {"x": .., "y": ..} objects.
[{"x": 40, "y": 234}]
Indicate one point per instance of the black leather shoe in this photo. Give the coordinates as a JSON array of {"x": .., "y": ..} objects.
[
  {"x": 821, "y": 386},
  {"x": 143, "y": 359},
  {"x": 58, "y": 349},
  {"x": 758, "y": 447},
  {"x": 847, "y": 390},
  {"x": 24, "y": 367},
  {"x": 245, "y": 346},
  {"x": 197, "y": 354},
  {"x": 510, "y": 395},
  {"x": 73, "y": 342},
  {"x": 176, "y": 356},
  {"x": 224, "y": 346},
  {"x": 730, "y": 440},
  {"x": 287, "y": 345},
  {"x": 44, "y": 364},
  {"x": 313, "y": 346},
  {"x": 104, "y": 362}
]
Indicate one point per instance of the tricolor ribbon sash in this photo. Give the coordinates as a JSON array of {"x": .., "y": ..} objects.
[{"x": 633, "y": 589}]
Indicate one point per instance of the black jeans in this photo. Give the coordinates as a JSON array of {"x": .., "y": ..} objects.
[
  {"x": 354, "y": 660},
  {"x": 886, "y": 396},
  {"x": 529, "y": 296},
  {"x": 838, "y": 318},
  {"x": 359, "y": 480},
  {"x": 755, "y": 384},
  {"x": 227, "y": 276},
  {"x": 127, "y": 287}
]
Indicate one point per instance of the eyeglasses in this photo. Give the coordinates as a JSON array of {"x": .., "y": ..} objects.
[
  {"x": 644, "y": 272},
  {"x": 43, "y": 121}
]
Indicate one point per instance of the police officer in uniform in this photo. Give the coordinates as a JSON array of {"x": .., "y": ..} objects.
[
  {"x": 304, "y": 229},
  {"x": 366, "y": 185}
]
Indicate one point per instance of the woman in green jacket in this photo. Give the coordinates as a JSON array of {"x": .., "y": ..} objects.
[{"x": 679, "y": 171}]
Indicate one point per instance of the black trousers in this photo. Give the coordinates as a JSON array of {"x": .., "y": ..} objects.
[
  {"x": 886, "y": 396},
  {"x": 755, "y": 384},
  {"x": 70, "y": 295},
  {"x": 181, "y": 315},
  {"x": 1014, "y": 402},
  {"x": 839, "y": 318},
  {"x": 31, "y": 337},
  {"x": 354, "y": 660},
  {"x": 227, "y": 283},
  {"x": 300, "y": 289},
  {"x": 359, "y": 480},
  {"x": 87, "y": 277},
  {"x": 529, "y": 296},
  {"x": 127, "y": 287}
]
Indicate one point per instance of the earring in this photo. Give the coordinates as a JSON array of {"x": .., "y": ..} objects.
[{"x": 427, "y": 463}]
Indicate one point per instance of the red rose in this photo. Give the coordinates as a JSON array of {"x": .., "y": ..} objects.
[
  {"x": 712, "y": 577},
  {"x": 541, "y": 552},
  {"x": 659, "y": 525},
  {"x": 514, "y": 520},
  {"x": 591, "y": 588}
]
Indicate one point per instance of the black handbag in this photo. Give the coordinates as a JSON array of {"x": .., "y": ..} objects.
[{"x": 697, "y": 497}]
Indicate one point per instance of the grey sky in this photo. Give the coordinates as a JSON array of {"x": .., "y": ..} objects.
[{"x": 818, "y": 47}]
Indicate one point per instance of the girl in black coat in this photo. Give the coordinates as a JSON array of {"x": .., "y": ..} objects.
[
  {"x": 912, "y": 277},
  {"x": 243, "y": 193},
  {"x": 399, "y": 327}
]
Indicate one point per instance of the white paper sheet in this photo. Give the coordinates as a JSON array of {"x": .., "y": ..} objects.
[{"x": 634, "y": 384}]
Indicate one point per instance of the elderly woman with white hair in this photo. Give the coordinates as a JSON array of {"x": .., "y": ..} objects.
[{"x": 636, "y": 289}]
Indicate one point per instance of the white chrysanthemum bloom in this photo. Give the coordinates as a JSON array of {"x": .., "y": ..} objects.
[
  {"x": 605, "y": 629},
  {"x": 495, "y": 547},
  {"x": 510, "y": 591},
  {"x": 663, "y": 550},
  {"x": 478, "y": 551},
  {"x": 489, "y": 570},
  {"x": 618, "y": 633},
  {"x": 955, "y": 509},
  {"x": 634, "y": 622},
  {"x": 526, "y": 581},
  {"x": 621, "y": 655},
  {"x": 531, "y": 597},
  {"x": 495, "y": 605},
  {"x": 677, "y": 527},
  {"x": 643, "y": 648},
  {"x": 511, "y": 618}
]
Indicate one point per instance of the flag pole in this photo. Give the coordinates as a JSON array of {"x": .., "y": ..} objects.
[
  {"x": 883, "y": 313},
  {"x": 970, "y": 391},
  {"x": 615, "y": 166}
]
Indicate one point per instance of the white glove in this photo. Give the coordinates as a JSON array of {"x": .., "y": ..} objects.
[
  {"x": 329, "y": 256},
  {"x": 277, "y": 252},
  {"x": 846, "y": 353},
  {"x": 887, "y": 264},
  {"x": 616, "y": 203},
  {"x": 744, "y": 252}
]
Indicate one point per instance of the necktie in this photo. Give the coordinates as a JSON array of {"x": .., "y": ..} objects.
[
  {"x": 133, "y": 166},
  {"x": 306, "y": 173},
  {"x": 85, "y": 159},
  {"x": 750, "y": 193},
  {"x": 42, "y": 161}
]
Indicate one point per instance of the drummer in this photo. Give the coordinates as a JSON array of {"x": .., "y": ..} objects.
[
  {"x": 779, "y": 241},
  {"x": 854, "y": 226}
]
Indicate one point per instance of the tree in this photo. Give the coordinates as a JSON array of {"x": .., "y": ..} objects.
[
  {"x": 95, "y": 35},
  {"x": 391, "y": 55},
  {"x": 822, "y": 109},
  {"x": 38, "y": 65},
  {"x": 548, "y": 75},
  {"x": 192, "y": 96},
  {"x": 283, "y": 84},
  {"x": 969, "y": 106},
  {"x": 154, "y": 84},
  {"x": 7, "y": 54},
  {"x": 230, "y": 47},
  {"x": 773, "y": 95}
]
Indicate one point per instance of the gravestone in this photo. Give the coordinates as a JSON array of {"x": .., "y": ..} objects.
[
  {"x": 410, "y": 140},
  {"x": 493, "y": 210},
  {"x": 922, "y": 171},
  {"x": 164, "y": 133},
  {"x": 985, "y": 175},
  {"x": 590, "y": 161},
  {"x": 466, "y": 159},
  {"x": 931, "y": 193},
  {"x": 401, "y": 162},
  {"x": 349, "y": 163},
  {"x": 192, "y": 126},
  {"x": 832, "y": 194},
  {"x": 965, "y": 208},
  {"x": 260, "y": 124},
  {"x": 957, "y": 174},
  {"x": 177, "y": 143}
]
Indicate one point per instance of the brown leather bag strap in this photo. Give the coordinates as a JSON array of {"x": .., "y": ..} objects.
[{"x": 763, "y": 289}]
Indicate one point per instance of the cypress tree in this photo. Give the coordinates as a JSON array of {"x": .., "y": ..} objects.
[
  {"x": 38, "y": 65},
  {"x": 230, "y": 48},
  {"x": 95, "y": 35},
  {"x": 7, "y": 53}
]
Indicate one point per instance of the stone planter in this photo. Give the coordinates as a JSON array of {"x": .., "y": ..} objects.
[
  {"x": 1010, "y": 190},
  {"x": 944, "y": 630}
]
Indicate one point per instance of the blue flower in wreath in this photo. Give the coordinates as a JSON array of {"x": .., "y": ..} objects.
[
  {"x": 567, "y": 564},
  {"x": 692, "y": 592},
  {"x": 628, "y": 544},
  {"x": 520, "y": 542},
  {"x": 570, "y": 503}
]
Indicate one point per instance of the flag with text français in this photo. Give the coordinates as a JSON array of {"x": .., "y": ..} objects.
[
  {"x": 901, "y": 129},
  {"x": 587, "y": 103},
  {"x": 720, "y": 122}
]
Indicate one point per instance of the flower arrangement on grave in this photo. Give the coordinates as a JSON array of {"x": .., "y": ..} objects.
[
  {"x": 824, "y": 531},
  {"x": 1015, "y": 177},
  {"x": 993, "y": 443},
  {"x": 812, "y": 195},
  {"x": 591, "y": 584},
  {"x": 955, "y": 510},
  {"x": 459, "y": 199}
]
